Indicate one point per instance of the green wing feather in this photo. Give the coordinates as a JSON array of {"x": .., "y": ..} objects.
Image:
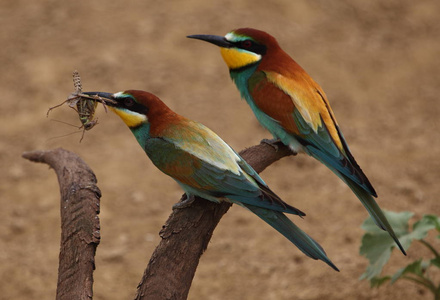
[
  {"x": 207, "y": 180},
  {"x": 204, "y": 176}
]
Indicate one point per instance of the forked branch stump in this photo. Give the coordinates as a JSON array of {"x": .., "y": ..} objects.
[{"x": 185, "y": 235}]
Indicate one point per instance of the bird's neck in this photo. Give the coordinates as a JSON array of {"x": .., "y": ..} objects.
[
  {"x": 141, "y": 133},
  {"x": 157, "y": 126},
  {"x": 241, "y": 77}
]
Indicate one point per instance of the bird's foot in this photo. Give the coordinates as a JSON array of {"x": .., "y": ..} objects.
[
  {"x": 185, "y": 202},
  {"x": 274, "y": 143}
]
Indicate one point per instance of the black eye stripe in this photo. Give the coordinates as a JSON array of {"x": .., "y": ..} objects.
[
  {"x": 131, "y": 104},
  {"x": 246, "y": 44},
  {"x": 252, "y": 46},
  {"x": 128, "y": 101}
]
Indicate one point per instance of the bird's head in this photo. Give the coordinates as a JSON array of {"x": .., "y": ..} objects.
[
  {"x": 133, "y": 106},
  {"x": 242, "y": 47}
]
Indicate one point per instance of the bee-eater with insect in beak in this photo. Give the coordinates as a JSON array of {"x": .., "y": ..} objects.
[
  {"x": 203, "y": 164},
  {"x": 293, "y": 107}
]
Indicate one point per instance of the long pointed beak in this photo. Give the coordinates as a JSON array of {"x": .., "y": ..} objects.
[
  {"x": 106, "y": 97},
  {"x": 213, "y": 39},
  {"x": 100, "y": 94}
]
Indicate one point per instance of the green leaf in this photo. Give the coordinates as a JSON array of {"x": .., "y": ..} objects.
[
  {"x": 436, "y": 220},
  {"x": 376, "y": 282},
  {"x": 435, "y": 262},
  {"x": 377, "y": 248},
  {"x": 414, "y": 268},
  {"x": 377, "y": 244},
  {"x": 421, "y": 228}
]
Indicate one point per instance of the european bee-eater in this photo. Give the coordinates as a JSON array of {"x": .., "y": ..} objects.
[
  {"x": 203, "y": 164},
  {"x": 293, "y": 107}
]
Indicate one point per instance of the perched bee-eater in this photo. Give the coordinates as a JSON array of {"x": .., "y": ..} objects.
[
  {"x": 203, "y": 164},
  {"x": 293, "y": 107}
]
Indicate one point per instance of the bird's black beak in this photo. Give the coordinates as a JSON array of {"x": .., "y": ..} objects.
[
  {"x": 106, "y": 98},
  {"x": 213, "y": 39}
]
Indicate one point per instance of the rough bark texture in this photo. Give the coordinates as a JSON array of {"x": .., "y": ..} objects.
[
  {"x": 80, "y": 230},
  {"x": 186, "y": 234}
]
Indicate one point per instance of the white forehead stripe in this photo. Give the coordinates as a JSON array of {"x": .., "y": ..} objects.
[{"x": 231, "y": 37}]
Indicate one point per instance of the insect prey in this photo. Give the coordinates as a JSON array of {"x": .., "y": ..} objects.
[{"x": 83, "y": 104}]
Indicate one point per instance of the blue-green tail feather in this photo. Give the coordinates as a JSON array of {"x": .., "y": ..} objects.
[
  {"x": 364, "y": 195},
  {"x": 373, "y": 209},
  {"x": 292, "y": 232}
]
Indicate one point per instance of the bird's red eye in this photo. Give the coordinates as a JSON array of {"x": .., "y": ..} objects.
[{"x": 246, "y": 44}]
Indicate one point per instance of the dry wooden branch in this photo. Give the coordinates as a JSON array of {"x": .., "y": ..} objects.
[
  {"x": 186, "y": 234},
  {"x": 80, "y": 229}
]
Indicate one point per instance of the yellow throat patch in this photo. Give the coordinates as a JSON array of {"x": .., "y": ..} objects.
[
  {"x": 131, "y": 118},
  {"x": 236, "y": 58}
]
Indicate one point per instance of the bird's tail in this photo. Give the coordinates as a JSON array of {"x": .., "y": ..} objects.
[
  {"x": 364, "y": 196},
  {"x": 292, "y": 232},
  {"x": 372, "y": 207}
]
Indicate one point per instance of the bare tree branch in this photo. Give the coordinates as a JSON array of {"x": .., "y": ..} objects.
[
  {"x": 80, "y": 227},
  {"x": 186, "y": 234}
]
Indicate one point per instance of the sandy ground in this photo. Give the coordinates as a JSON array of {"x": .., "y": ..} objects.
[{"x": 378, "y": 63}]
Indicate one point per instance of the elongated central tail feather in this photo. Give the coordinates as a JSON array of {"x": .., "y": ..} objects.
[
  {"x": 292, "y": 232},
  {"x": 373, "y": 209},
  {"x": 365, "y": 197}
]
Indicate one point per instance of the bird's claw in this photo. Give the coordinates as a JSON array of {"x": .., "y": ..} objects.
[
  {"x": 184, "y": 203},
  {"x": 271, "y": 142}
]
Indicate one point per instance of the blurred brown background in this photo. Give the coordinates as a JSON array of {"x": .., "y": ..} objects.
[{"x": 378, "y": 62}]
